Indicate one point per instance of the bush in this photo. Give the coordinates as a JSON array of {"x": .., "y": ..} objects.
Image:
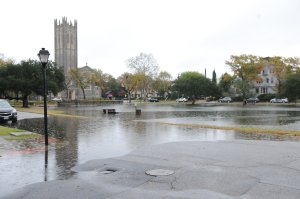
[
  {"x": 237, "y": 98},
  {"x": 266, "y": 97}
]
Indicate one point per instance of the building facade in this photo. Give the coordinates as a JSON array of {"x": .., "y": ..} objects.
[
  {"x": 65, "y": 47},
  {"x": 91, "y": 90},
  {"x": 267, "y": 83}
]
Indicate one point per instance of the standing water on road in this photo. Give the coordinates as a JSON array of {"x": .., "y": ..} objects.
[{"x": 96, "y": 135}]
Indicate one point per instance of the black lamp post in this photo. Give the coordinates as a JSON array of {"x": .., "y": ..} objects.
[{"x": 44, "y": 55}]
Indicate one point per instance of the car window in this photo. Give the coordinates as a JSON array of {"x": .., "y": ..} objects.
[{"x": 4, "y": 104}]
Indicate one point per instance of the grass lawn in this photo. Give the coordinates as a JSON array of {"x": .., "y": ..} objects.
[
  {"x": 40, "y": 110},
  {"x": 4, "y": 132},
  {"x": 239, "y": 129}
]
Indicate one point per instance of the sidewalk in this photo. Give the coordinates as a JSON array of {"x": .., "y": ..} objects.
[{"x": 202, "y": 170}]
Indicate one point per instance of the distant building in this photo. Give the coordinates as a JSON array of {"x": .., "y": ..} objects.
[
  {"x": 91, "y": 91},
  {"x": 267, "y": 83},
  {"x": 65, "y": 44}
]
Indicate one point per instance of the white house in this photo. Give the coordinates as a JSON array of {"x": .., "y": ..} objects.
[{"x": 267, "y": 83}]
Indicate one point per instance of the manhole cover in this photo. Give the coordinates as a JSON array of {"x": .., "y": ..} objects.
[{"x": 159, "y": 172}]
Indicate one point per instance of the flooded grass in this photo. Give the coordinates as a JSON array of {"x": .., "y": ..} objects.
[
  {"x": 52, "y": 112},
  {"x": 23, "y": 137},
  {"x": 239, "y": 129}
]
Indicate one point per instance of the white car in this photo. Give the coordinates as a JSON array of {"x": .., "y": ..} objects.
[
  {"x": 57, "y": 99},
  {"x": 278, "y": 100},
  {"x": 182, "y": 99}
]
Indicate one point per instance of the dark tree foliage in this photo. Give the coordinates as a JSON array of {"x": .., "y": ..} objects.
[
  {"x": 195, "y": 85},
  {"x": 226, "y": 82},
  {"x": 214, "y": 77},
  {"x": 292, "y": 87},
  {"x": 27, "y": 78},
  {"x": 112, "y": 85}
]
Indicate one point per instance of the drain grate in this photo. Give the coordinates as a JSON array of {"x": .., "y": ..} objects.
[{"x": 107, "y": 171}]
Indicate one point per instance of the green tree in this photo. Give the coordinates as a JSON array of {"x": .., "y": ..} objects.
[
  {"x": 5, "y": 61},
  {"x": 130, "y": 82},
  {"x": 111, "y": 84},
  {"x": 27, "y": 78},
  {"x": 162, "y": 83},
  {"x": 225, "y": 83},
  {"x": 81, "y": 78},
  {"x": 214, "y": 77},
  {"x": 194, "y": 84},
  {"x": 292, "y": 87},
  {"x": 98, "y": 78},
  {"x": 246, "y": 69}
]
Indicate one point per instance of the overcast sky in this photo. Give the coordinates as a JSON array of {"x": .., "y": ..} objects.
[{"x": 182, "y": 35}]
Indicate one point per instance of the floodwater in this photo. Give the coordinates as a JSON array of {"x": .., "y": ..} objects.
[{"x": 96, "y": 135}]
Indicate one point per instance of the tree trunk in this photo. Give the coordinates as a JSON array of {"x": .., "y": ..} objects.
[
  {"x": 193, "y": 99},
  {"x": 129, "y": 96},
  {"x": 25, "y": 101},
  {"x": 83, "y": 92}
]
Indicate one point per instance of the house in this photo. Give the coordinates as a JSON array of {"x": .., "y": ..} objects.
[{"x": 267, "y": 82}]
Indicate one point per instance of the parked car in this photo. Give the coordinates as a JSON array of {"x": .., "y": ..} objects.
[
  {"x": 252, "y": 100},
  {"x": 153, "y": 100},
  {"x": 7, "y": 112},
  {"x": 225, "y": 99},
  {"x": 182, "y": 99},
  {"x": 279, "y": 100},
  {"x": 57, "y": 99}
]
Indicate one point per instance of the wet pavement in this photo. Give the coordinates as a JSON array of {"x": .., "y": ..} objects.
[
  {"x": 238, "y": 169},
  {"x": 74, "y": 141}
]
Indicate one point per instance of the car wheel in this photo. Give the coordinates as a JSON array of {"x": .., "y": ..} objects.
[{"x": 14, "y": 120}]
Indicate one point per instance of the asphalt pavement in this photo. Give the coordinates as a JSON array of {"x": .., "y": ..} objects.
[{"x": 239, "y": 169}]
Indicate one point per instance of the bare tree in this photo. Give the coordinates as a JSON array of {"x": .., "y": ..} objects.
[
  {"x": 146, "y": 65},
  {"x": 162, "y": 83}
]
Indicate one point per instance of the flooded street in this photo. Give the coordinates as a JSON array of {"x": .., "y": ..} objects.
[{"x": 97, "y": 135}]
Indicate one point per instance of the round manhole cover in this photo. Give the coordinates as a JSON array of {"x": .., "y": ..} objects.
[{"x": 159, "y": 172}]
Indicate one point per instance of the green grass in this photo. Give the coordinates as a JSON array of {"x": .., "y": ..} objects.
[
  {"x": 4, "y": 131},
  {"x": 40, "y": 110},
  {"x": 23, "y": 137},
  {"x": 240, "y": 129}
]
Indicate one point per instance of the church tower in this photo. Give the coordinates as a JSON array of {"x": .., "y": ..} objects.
[{"x": 65, "y": 47}]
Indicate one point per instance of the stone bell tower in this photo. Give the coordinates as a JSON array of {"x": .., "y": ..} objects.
[{"x": 65, "y": 45}]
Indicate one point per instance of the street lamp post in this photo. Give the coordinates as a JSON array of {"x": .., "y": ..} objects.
[{"x": 43, "y": 56}]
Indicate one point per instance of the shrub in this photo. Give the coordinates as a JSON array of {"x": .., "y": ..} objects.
[{"x": 266, "y": 97}]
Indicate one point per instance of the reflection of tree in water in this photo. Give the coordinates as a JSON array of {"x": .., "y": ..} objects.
[
  {"x": 66, "y": 153},
  {"x": 66, "y": 149},
  {"x": 262, "y": 118}
]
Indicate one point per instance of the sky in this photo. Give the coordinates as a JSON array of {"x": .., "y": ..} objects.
[{"x": 182, "y": 35}]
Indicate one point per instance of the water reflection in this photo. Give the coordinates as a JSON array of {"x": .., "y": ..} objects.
[
  {"x": 46, "y": 164},
  {"x": 76, "y": 140}
]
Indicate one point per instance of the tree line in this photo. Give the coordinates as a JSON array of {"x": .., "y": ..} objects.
[
  {"x": 246, "y": 71},
  {"x": 21, "y": 80},
  {"x": 25, "y": 78}
]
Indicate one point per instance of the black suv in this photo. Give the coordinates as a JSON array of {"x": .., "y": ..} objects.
[{"x": 7, "y": 112}]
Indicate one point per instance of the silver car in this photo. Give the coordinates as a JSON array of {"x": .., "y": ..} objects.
[
  {"x": 279, "y": 100},
  {"x": 225, "y": 99},
  {"x": 7, "y": 112}
]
